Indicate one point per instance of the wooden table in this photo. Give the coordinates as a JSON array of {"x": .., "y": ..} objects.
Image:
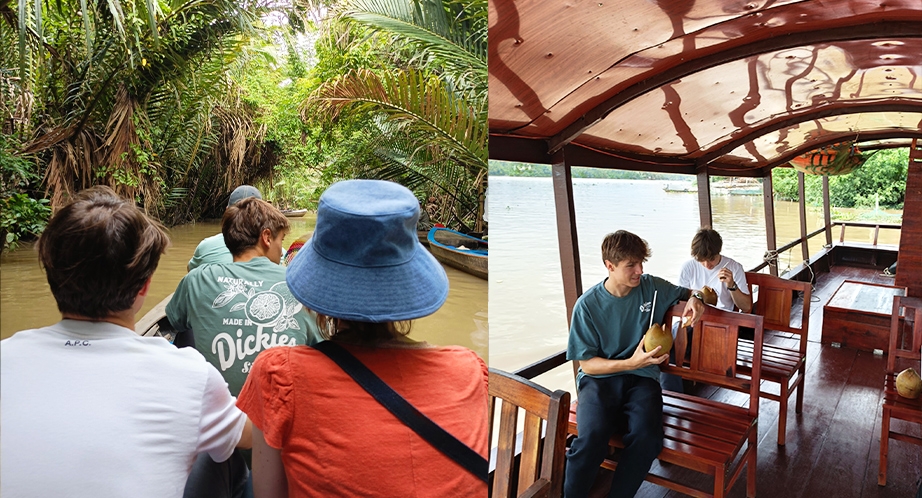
[{"x": 858, "y": 315}]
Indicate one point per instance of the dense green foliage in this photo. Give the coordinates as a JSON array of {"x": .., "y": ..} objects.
[
  {"x": 21, "y": 216},
  {"x": 176, "y": 103},
  {"x": 880, "y": 182}
]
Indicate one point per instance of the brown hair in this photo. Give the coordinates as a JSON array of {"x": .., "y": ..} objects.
[
  {"x": 364, "y": 333},
  {"x": 98, "y": 252},
  {"x": 706, "y": 244},
  {"x": 245, "y": 221},
  {"x": 623, "y": 245}
]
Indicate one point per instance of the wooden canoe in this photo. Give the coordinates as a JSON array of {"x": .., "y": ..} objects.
[
  {"x": 455, "y": 249},
  {"x": 294, "y": 213},
  {"x": 154, "y": 323}
]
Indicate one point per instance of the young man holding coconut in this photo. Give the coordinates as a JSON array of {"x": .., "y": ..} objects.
[
  {"x": 722, "y": 274},
  {"x": 618, "y": 382}
]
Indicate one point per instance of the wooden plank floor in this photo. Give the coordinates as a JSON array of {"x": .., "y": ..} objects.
[{"x": 833, "y": 447}]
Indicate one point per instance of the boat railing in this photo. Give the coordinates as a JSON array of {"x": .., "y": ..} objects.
[{"x": 876, "y": 226}]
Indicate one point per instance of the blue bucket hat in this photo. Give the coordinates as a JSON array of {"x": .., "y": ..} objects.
[{"x": 364, "y": 261}]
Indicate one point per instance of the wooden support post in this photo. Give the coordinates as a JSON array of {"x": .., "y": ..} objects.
[
  {"x": 802, "y": 205},
  {"x": 705, "y": 214},
  {"x": 771, "y": 239},
  {"x": 567, "y": 239},
  {"x": 827, "y": 217}
]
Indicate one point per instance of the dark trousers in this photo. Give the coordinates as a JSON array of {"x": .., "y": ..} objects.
[
  {"x": 227, "y": 479},
  {"x": 625, "y": 403}
]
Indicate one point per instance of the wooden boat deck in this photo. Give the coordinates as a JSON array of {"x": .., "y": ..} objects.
[{"x": 832, "y": 447}]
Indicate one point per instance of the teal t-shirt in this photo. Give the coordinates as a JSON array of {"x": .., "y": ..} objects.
[
  {"x": 236, "y": 310},
  {"x": 210, "y": 250},
  {"x": 610, "y": 327}
]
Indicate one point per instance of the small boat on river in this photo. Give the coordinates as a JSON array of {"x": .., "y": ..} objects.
[
  {"x": 458, "y": 250},
  {"x": 294, "y": 213}
]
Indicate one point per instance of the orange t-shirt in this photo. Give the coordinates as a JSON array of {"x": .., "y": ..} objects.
[{"x": 336, "y": 440}]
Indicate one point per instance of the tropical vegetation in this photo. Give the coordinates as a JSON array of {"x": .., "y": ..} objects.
[
  {"x": 879, "y": 183},
  {"x": 176, "y": 103}
]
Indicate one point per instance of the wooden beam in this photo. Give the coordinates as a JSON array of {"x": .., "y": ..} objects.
[
  {"x": 802, "y": 209},
  {"x": 827, "y": 216},
  {"x": 567, "y": 238},
  {"x": 705, "y": 211},
  {"x": 771, "y": 239}
]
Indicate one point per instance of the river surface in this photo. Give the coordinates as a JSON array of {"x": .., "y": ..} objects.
[
  {"x": 26, "y": 301},
  {"x": 527, "y": 311}
]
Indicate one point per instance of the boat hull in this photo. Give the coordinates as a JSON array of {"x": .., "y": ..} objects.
[{"x": 444, "y": 243}]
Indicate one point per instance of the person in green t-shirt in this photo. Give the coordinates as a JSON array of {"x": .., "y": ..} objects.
[
  {"x": 618, "y": 382},
  {"x": 235, "y": 310}
]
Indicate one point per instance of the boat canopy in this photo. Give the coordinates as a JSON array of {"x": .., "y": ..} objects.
[{"x": 733, "y": 87}]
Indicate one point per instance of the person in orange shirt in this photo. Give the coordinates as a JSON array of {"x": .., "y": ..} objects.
[{"x": 316, "y": 431}]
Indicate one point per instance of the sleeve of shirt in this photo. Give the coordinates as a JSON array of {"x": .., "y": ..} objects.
[
  {"x": 176, "y": 309},
  {"x": 583, "y": 342},
  {"x": 739, "y": 276},
  {"x": 221, "y": 422},
  {"x": 685, "y": 275},
  {"x": 267, "y": 395},
  {"x": 197, "y": 256},
  {"x": 671, "y": 293}
]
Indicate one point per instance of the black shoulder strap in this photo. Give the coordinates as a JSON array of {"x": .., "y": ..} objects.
[{"x": 403, "y": 410}]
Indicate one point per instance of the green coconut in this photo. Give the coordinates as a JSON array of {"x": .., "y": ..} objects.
[
  {"x": 657, "y": 336},
  {"x": 909, "y": 384}
]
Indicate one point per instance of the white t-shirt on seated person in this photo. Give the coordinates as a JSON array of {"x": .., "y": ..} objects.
[
  {"x": 91, "y": 409},
  {"x": 695, "y": 276}
]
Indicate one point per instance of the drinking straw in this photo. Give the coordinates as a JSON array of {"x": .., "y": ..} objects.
[{"x": 652, "y": 308}]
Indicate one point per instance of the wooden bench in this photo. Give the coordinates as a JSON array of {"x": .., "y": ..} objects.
[
  {"x": 783, "y": 365},
  {"x": 536, "y": 454},
  {"x": 711, "y": 437}
]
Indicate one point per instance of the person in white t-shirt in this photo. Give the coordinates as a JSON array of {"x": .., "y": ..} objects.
[
  {"x": 89, "y": 408},
  {"x": 709, "y": 267}
]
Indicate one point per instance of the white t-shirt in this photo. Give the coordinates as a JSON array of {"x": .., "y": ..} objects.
[
  {"x": 91, "y": 409},
  {"x": 695, "y": 276}
]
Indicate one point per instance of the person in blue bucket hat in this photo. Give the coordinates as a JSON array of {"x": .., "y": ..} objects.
[{"x": 319, "y": 428}]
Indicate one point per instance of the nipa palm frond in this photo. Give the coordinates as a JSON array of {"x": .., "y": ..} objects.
[{"x": 415, "y": 100}]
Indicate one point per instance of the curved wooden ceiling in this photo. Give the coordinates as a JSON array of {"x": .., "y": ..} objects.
[{"x": 680, "y": 85}]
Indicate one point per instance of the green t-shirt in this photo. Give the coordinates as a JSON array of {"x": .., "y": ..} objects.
[
  {"x": 210, "y": 250},
  {"x": 610, "y": 327},
  {"x": 236, "y": 310}
]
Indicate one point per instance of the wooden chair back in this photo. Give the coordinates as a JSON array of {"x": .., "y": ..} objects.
[
  {"x": 540, "y": 444},
  {"x": 774, "y": 299},
  {"x": 903, "y": 352},
  {"x": 713, "y": 350},
  {"x": 905, "y": 334}
]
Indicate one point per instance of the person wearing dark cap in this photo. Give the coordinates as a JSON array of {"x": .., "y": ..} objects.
[
  {"x": 321, "y": 433},
  {"x": 213, "y": 249}
]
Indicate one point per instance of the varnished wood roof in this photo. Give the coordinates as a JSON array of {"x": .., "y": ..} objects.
[{"x": 679, "y": 85}]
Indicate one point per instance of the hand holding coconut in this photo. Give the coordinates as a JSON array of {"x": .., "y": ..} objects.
[{"x": 655, "y": 356}]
